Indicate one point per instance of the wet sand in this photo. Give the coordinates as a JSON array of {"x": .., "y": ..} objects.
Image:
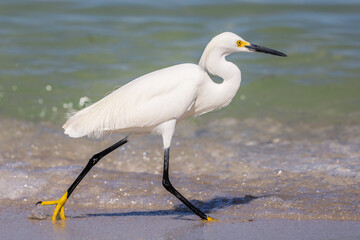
[{"x": 114, "y": 224}]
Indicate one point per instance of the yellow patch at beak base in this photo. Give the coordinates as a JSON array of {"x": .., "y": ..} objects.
[{"x": 240, "y": 43}]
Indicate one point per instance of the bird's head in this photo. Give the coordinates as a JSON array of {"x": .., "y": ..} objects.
[
  {"x": 232, "y": 43},
  {"x": 227, "y": 43}
]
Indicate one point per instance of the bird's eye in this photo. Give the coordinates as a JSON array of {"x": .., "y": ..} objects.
[{"x": 239, "y": 43}]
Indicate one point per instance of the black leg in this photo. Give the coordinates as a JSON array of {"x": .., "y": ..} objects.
[
  {"x": 96, "y": 158},
  {"x": 167, "y": 184}
]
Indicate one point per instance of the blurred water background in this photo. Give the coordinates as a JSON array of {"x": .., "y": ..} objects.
[
  {"x": 58, "y": 55},
  {"x": 290, "y": 135}
]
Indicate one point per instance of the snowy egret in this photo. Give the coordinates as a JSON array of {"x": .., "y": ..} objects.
[{"x": 155, "y": 102}]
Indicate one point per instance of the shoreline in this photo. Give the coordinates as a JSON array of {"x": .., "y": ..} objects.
[{"x": 307, "y": 174}]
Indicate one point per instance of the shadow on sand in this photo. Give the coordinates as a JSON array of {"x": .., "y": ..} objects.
[{"x": 180, "y": 209}]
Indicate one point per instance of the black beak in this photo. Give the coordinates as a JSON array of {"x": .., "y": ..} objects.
[{"x": 257, "y": 48}]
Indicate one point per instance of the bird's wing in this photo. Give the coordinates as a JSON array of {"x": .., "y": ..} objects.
[{"x": 141, "y": 104}]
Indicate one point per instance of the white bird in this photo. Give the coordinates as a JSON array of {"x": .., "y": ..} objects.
[{"x": 155, "y": 102}]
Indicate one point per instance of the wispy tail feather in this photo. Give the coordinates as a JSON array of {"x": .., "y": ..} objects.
[{"x": 84, "y": 123}]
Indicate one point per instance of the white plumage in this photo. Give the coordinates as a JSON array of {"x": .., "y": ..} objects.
[
  {"x": 141, "y": 104},
  {"x": 163, "y": 97}
]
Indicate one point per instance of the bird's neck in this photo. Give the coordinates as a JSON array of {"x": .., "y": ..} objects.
[{"x": 214, "y": 63}]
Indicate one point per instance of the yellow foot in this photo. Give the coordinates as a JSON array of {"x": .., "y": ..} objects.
[
  {"x": 59, "y": 206},
  {"x": 209, "y": 219}
]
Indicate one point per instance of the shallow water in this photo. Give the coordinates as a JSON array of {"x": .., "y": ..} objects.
[{"x": 287, "y": 146}]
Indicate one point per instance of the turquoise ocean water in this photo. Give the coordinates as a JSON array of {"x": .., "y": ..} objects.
[{"x": 61, "y": 55}]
